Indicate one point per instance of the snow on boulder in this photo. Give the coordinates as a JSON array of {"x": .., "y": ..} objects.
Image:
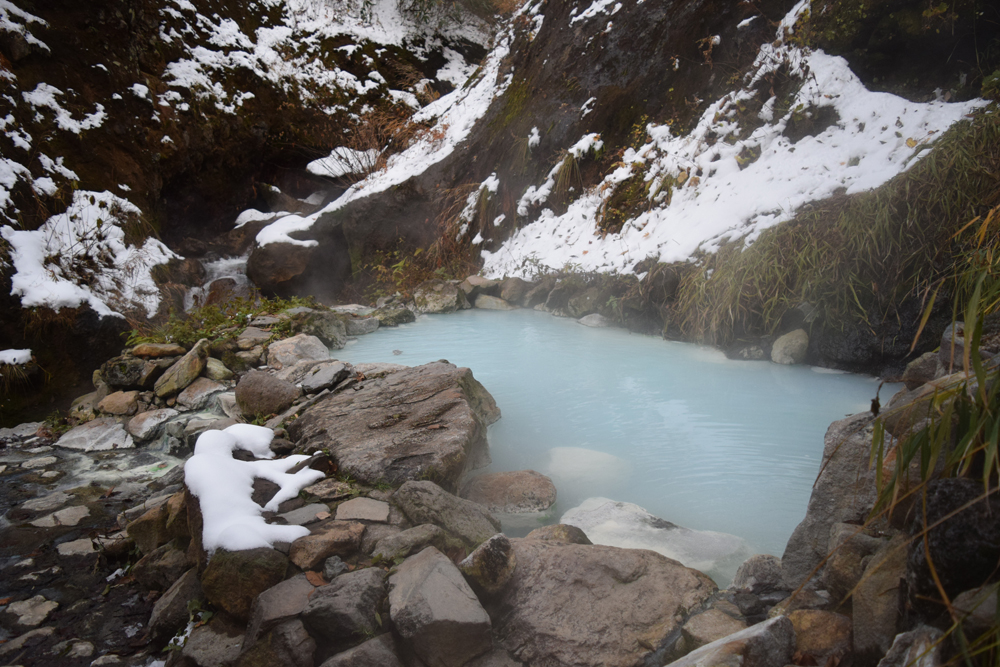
[{"x": 224, "y": 486}]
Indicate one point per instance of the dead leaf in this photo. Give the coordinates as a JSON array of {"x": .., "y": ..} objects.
[
  {"x": 911, "y": 143},
  {"x": 315, "y": 578}
]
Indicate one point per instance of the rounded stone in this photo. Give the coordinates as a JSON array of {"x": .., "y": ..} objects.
[{"x": 260, "y": 393}]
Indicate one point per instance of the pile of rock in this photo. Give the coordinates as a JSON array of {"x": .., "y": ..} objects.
[{"x": 877, "y": 571}]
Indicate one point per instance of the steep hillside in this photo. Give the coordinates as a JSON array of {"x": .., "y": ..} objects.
[
  {"x": 720, "y": 160},
  {"x": 628, "y": 136},
  {"x": 132, "y": 121}
]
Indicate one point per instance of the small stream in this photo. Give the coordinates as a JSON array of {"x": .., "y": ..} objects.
[{"x": 694, "y": 438}]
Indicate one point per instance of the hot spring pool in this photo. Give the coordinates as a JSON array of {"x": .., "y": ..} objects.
[{"x": 694, "y": 438}]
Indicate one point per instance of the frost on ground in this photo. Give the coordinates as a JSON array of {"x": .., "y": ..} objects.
[
  {"x": 224, "y": 485},
  {"x": 81, "y": 257}
]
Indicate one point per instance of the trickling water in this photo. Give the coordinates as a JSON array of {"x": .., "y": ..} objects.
[
  {"x": 697, "y": 439},
  {"x": 225, "y": 267}
]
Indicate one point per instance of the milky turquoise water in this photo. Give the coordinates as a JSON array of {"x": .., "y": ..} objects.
[{"x": 697, "y": 439}]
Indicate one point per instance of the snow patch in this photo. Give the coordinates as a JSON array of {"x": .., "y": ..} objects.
[
  {"x": 15, "y": 357},
  {"x": 721, "y": 182},
  {"x": 224, "y": 486},
  {"x": 80, "y": 257}
]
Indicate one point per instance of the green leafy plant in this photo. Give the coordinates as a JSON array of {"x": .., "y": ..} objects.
[{"x": 961, "y": 432}]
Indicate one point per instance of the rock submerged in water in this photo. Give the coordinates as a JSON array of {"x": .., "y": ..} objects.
[
  {"x": 621, "y": 524},
  {"x": 518, "y": 492}
]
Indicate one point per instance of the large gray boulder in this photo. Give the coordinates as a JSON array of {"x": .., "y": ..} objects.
[
  {"x": 790, "y": 348},
  {"x": 288, "y": 644},
  {"x": 401, "y": 545},
  {"x": 326, "y": 325},
  {"x": 426, "y": 422},
  {"x": 233, "y": 579},
  {"x": 393, "y": 316},
  {"x": 346, "y": 608},
  {"x": 324, "y": 375},
  {"x": 290, "y": 351},
  {"x": 436, "y": 613},
  {"x": 97, "y": 436},
  {"x": 513, "y": 290},
  {"x": 844, "y": 492},
  {"x": 276, "y": 605},
  {"x": 170, "y": 613},
  {"x": 879, "y": 597},
  {"x": 920, "y": 647},
  {"x": 491, "y": 565},
  {"x": 426, "y": 502},
  {"x": 621, "y": 524},
  {"x": 572, "y": 604},
  {"x": 438, "y": 296}
]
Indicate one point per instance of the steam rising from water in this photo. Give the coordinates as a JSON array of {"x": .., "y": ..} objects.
[{"x": 694, "y": 438}]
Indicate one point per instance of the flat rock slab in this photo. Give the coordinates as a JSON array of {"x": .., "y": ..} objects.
[
  {"x": 252, "y": 337},
  {"x": 46, "y": 503},
  {"x": 377, "y": 652},
  {"x": 198, "y": 393},
  {"x": 323, "y": 375},
  {"x": 146, "y": 424},
  {"x": 337, "y": 538},
  {"x": 39, "y": 462},
  {"x": 33, "y": 611},
  {"x": 363, "y": 509},
  {"x": 184, "y": 371},
  {"x": 97, "y": 436},
  {"x": 81, "y": 547},
  {"x": 66, "y": 517},
  {"x": 158, "y": 350},
  {"x": 571, "y": 604},
  {"x": 304, "y": 515},
  {"x": 427, "y": 422},
  {"x": 278, "y": 604}
]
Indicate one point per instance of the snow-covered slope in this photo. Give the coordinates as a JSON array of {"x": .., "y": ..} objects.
[{"x": 90, "y": 138}]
